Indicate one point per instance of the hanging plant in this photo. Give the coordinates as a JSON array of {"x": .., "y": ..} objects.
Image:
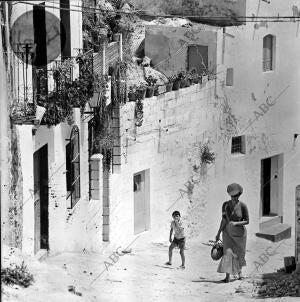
[
  {"x": 139, "y": 113},
  {"x": 68, "y": 92}
]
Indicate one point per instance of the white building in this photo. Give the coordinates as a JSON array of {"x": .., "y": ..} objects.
[
  {"x": 49, "y": 158},
  {"x": 249, "y": 115},
  {"x": 56, "y": 178}
]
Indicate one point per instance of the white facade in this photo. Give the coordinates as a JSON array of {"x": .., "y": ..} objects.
[{"x": 68, "y": 229}]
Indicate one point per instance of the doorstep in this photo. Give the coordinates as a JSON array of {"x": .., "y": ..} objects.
[{"x": 274, "y": 232}]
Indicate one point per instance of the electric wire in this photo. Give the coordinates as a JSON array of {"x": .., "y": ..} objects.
[{"x": 243, "y": 19}]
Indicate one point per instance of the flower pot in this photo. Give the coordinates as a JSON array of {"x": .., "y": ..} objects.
[
  {"x": 184, "y": 83},
  {"x": 149, "y": 91},
  {"x": 196, "y": 80},
  {"x": 131, "y": 96},
  {"x": 102, "y": 31},
  {"x": 156, "y": 91},
  {"x": 40, "y": 111},
  {"x": 169, "y": 87},
  {"x": 190, "y": 82},
  {"x": 141, "y": 93},
  {"x": 176, "y": 84}
]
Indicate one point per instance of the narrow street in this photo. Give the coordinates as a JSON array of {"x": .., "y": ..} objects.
[
  {"x": 130, "y": 125},
  {"x": 141, "y": 275}
]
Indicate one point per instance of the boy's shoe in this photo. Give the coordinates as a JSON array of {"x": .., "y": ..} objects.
[
  {"x": 182, "y": 266},
  {"x": 168, "y": 263}
]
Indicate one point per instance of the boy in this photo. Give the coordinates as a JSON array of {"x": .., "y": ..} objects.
[{"x": 179, "y": 238}]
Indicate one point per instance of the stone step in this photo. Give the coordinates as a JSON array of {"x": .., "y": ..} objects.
[
  {"x": 275, "y": 233},
  {"x": 270, "y": 221},
  {"x": 41, "y": 255}
]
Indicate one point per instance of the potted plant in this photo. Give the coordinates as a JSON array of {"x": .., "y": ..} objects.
[
  {"x": 151, "y": 81},
  {"x": 156, "y": 90},
  {"x": 176, "y": 83},
  {"x": 183, "y": 79},
  {"x": 132, "y": 93},
  {"x": 194, "y": 77},
  {"x": 141, "y": 92},
  {"x": 170, "y": 83}
]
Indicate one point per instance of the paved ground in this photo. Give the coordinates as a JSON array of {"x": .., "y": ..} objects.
[{"x": 141, "y": 276}]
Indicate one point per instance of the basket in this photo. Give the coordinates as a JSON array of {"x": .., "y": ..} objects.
[{"x": 216, "y": 252}]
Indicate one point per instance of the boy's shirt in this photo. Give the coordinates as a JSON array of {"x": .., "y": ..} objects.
[{"x": 178, "y": 228}]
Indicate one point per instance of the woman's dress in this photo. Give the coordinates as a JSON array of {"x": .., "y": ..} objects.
[{"x": 234, "y": 238}]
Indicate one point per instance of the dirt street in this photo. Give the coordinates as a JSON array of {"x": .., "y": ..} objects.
[{"x": 141, "y": 275}]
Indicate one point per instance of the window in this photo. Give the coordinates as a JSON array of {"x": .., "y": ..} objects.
[
  {"x": 229, "y": 77},
  {"x": 268, "y": 52},
  {"x": 73, "y": 167},
  {"x": 238, "y": 145},
  {"x": 198, "y": 58}
]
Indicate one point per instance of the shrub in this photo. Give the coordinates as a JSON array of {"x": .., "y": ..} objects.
[
  {"x": 17, "y": 274},
  {"x": 206, "y": 156}
]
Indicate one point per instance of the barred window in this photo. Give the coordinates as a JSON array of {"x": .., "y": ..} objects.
[
  {"x": 73, "y": 167},
  {"x": 268, "y": 52},
  {"x": 238, "y": 145}
]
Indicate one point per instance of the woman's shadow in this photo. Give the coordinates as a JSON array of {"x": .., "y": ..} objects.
[{"x": 203, "y": 280}]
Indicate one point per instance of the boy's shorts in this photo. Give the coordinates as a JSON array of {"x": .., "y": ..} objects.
[{"x": 179, "y": 242}]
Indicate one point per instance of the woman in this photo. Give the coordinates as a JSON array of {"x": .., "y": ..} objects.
[{"x": 234, "y": 218}]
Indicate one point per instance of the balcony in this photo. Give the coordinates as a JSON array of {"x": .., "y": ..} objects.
[{"x": 54, "y": 90}]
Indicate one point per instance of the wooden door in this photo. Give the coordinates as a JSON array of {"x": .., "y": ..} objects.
[
  {"x": 265, "y": 186},
  {"x": 41, "y": 195},
  {"x": 198, "y": 58},
  {"x": 274, "y": 185},
  {"x": 139, "y": 202}
]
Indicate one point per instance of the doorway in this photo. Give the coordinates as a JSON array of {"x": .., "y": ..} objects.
[
  {"x": 91, "y": 141},
  {"x": 297, "y": 229},
  {"x": 198, "y": 58},
  {"x": 41, "y": 216},
  {"x": 271, "y": 185},
  {"x": 141, "y": 189}
]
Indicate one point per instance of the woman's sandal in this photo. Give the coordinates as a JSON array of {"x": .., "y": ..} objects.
[{"x": 226, "y": 280}]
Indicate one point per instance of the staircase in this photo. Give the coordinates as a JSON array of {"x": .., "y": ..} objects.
[{"x": 273, "y": 229}]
